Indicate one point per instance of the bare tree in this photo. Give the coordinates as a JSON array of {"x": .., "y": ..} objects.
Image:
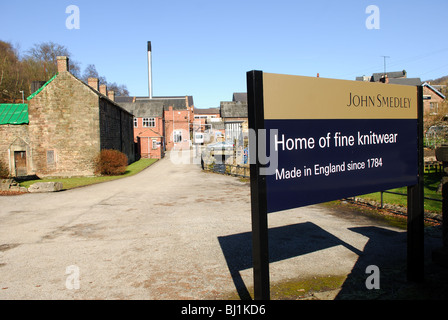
[
  {"x": 10, "y": 73},
  {"x": 45, "y": 54},
  {"x": 120, "y": 90},
  {"x": 39, "y": 64},
  {"x": 91, "y": 72}
]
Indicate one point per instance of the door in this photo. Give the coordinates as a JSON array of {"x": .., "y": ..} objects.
[{"x": 20, "y": 163}]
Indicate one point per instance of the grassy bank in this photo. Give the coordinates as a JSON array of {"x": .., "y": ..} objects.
[
  {"x": 75, "y": 182},
  {"x": 431, "y": 183}
]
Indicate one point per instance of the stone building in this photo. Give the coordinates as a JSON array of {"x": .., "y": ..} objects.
[
  {"x": 69, "y": 123},
  {"x": 234, "y": 114},
  {"x": 14, "y": 138}
]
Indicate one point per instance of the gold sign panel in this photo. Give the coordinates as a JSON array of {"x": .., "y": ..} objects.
[{"x": 298, "y": 97}]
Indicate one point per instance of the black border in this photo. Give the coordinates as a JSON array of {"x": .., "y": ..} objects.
[
  {"x": 415, "y": 223},
  {"x": 260, "y": 247}
]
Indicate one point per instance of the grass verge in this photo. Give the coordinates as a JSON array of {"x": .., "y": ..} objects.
[
  {"x": 431, "y": 184},
  {"x": 75, "y": 182}
]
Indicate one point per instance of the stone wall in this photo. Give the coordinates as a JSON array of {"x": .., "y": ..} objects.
[
  {"x": 64, "y": 128},
  {"x": 14, "y": 138},
  {"x": 116, "y": 129}
]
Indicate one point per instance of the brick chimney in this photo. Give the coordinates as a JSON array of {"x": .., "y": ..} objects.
[
  {"x": 63, "y": 65},
  {"x": 93, "y": 83},
  {"x": 103, "y": 89},
  {"x": 111, "y": 95}
]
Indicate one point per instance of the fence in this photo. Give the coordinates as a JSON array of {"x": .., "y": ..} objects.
[
  {"x": 403, "y": 194},
  {"x": 230, "y": 169},
  {"x": 244, "y": 172},
  {"x": 436, "y": 166}
]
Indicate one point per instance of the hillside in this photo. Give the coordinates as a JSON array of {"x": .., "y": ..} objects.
[{"x": 441, "y": 81}]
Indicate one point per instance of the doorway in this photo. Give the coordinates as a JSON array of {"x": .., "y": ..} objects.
[{"x": 20, "y": 163}]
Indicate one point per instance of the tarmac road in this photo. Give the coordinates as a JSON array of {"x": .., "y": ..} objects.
[{"x": 171, "y": 232}]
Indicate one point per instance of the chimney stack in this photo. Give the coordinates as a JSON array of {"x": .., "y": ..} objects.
[
  {"x": 93, "y": 83},
  {"x": 111, "y": 95},
  {"x": 62, "y": 64},
  {"x": 150, "y": 69},
  {"x": 103, "y": 89}
]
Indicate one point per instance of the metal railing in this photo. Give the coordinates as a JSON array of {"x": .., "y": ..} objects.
[{"x": 403, "y": 194}]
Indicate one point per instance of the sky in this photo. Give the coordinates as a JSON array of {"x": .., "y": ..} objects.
[{"x": 204, "y": 48}]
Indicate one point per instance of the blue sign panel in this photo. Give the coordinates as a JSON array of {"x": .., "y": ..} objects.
[
  {"x": 330, "y": 139},
  {"x": 324, "y": 160}
]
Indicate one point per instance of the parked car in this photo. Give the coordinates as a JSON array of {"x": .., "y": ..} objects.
[
  {"x": 216, "y": 152},
  {"x": 224, "y": 146}
]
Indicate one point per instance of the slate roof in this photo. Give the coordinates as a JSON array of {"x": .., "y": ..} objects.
[
  {"x": 231, "y": 109},
  {"x": 144, "y": 109},
  {"x": 406, "y": 81},
  {"x": 120, "y": 99},
  {"x": 177, "y": 102},
  {"x": 14, "y": 113},
  {"x": 206, "y": 111},
  {"x": 240, "y": 96},
  {"x": 394, "y": 74}
]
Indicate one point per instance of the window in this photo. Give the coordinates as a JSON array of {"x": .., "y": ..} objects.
[
  {"x": 149, "y": 122},
  {"x": 154, "y": 143},
  {"x": 433, "y": 107},
  {"x": 50, "y": 158},
  {"x": 135, "y": 123},
  {"x": 177, "y": 136}
]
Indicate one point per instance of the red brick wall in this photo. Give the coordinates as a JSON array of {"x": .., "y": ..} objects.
[
  {"x": 435, "y": 98},
  {"x": 149, "y": 149},
  {"x": 142, "y": 134},
  {"x": 140, "y": 130},
  {"x": 183, "y": 120}
]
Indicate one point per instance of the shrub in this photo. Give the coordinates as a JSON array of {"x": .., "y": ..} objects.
[
  {"x": 111, "y": 162},
  {"x": 4, "y": 172}
]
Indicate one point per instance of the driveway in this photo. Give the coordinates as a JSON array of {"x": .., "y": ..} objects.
[{"x": 170, "y": 232}]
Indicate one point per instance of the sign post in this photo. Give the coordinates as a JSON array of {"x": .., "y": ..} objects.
[
  {"x": 314, "y": 140},
  {"x": 415, "y": 225},
  {"x": 260, "y": 248}
]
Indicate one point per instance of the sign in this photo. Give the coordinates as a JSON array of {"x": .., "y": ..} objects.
[
  {"x": 335, "y": 138},
  {"x": 314, "y": 140}
]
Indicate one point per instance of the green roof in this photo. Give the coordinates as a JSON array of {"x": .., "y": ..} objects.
[
  {"x": 41, "y": 88},
  {"x": 14, "y": 113}
]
